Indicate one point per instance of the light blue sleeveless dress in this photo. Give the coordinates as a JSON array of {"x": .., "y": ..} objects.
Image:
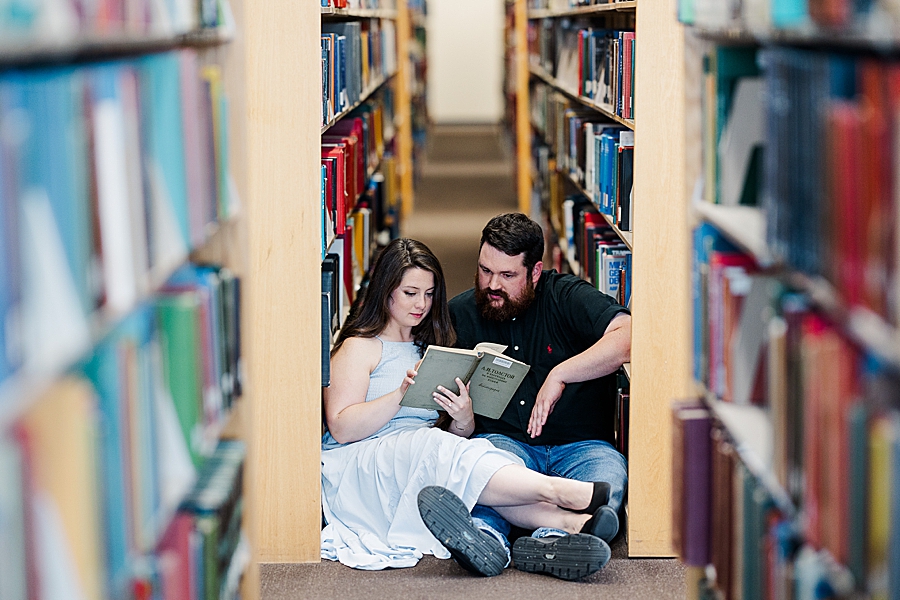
[{"x": 369, "y": 487}]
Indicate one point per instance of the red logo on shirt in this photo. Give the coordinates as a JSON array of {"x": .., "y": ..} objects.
[{"x": 549, "y": 349}]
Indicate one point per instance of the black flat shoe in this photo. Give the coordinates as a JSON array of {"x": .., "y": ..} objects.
[
  {"x": 447, "y": 517},
  {"x": 568, "y": 557},
  {"x": 599, "y": 497},
  {"x": 604, "y": 524}
]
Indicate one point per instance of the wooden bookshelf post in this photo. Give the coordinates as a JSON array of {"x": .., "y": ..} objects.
[
  {"x": 283, "y": 82},
  {"x": 523, "y": 118},
  {"x": 403, "y": 112},
  {"x": 661, "y": 351}
]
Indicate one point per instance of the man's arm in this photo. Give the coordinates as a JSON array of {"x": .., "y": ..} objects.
[{"x": 608, "y": 354}]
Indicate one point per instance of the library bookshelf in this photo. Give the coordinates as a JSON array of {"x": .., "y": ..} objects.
[
  {"x": 815, "y": 443},
  {"x": 658, "y": 238},
  {"x": 61, "y": 415}
]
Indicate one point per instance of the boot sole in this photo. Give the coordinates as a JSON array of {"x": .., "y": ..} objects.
[
  {"x": 570, "y": 557},
  {"x": 448, "y": 519}
]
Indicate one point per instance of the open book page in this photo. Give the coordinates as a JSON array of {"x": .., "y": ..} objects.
[
  {"x": 440, "y": 367},
  {"x": 494, "y": 377},
  {"x": 490, "y": 347}
]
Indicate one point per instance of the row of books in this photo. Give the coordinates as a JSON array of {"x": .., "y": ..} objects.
[
  {"x": 109, "y": 175},
  {"x": 724, "y": 519},
  {"x": 596, "y": 64},
  {"x": 623, "y": 414},
  {"x": 373, "y": 222},
  {"x": 203, "y": 553},
  {"x": 830, "y": 174},
  {"x": 591, "y": 243},
  {"x": 95, "y": 470},
  {"x": 733, "y": 126},
  {"x": 418, "y": 62},
  {"x": 352, "y": 150},
  {"x": 562, "y": 5},
  {"x": 784, "y": 129},
  {"x": 356, "y": 56},
  {"x": 724, "y": 351},
  {"x": 597, "y": 154},
  {"x": 876, "y": 20},
  {"x": 360, "y": 4},
  {"x": 58, "y": 22},
  {"x": 843, "y": 541},
  {"x": 758, "y": 343}
]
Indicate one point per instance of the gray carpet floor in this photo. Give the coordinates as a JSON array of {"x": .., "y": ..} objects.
[{"x": 466, "y": 179}]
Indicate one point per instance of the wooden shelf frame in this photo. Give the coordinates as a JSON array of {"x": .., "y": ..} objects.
[
  {"x": 745, "y": 226},
  {"x": 589, "y": 103},
  {"x": 597, "y": 9},
  {"x": 112, "y": 46},
  {"x": 850, "y": 39},
  {"x": 661, "y": 349}
]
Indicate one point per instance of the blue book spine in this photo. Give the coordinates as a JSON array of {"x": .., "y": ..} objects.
[
  {"x": 789, "y": 13},
  {"x": 10, "y": 258},
  {"x": 55, "y": 163},
  {"x": 161, "y": 105},
  {"x": 103, "y": 370},
  {"x": 341, "y": 52}
]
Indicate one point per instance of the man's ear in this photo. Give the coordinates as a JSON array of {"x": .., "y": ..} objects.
[{"x": 536, "y": 271}]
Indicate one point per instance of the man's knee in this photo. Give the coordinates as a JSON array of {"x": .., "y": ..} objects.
[{"x": 513, "y": 447}]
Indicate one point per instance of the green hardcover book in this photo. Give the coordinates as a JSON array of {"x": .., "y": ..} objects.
[
  {"x": 859, "y": 470},
  {"x": 493, "y": 378},
  {"x": 178, "y": 321}
]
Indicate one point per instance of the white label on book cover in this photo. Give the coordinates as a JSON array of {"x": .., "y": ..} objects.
[{"x": 502, "y": 362}]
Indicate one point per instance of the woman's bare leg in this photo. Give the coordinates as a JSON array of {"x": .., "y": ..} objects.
[
  {"x": 542, "y": 514},
  {"x": 514, "y": 485}
]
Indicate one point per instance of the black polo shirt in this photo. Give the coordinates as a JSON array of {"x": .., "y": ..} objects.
[{"x": 567, "y": 317}]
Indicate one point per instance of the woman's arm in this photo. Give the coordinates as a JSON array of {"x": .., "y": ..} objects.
[{"x": 350, "y": 418}]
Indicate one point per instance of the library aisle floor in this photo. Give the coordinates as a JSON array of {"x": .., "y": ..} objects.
[{"x": 466, "y": 179}]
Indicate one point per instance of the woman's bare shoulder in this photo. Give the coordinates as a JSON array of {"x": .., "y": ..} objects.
[{"x": 361, "y": 350}]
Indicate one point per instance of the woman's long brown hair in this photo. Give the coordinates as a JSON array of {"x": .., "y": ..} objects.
[{"x": 373, "y": 313}]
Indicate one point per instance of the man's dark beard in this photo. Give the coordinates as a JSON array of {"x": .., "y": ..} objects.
[{"x": 509, "y": 309}]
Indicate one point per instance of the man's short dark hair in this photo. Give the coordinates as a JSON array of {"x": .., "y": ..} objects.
[{"x": 514, "y": 234}]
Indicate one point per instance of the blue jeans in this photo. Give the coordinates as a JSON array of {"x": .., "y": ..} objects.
[{"x": 585, "y": 461}]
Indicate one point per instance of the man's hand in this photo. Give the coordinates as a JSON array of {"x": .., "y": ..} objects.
[{"x": 547, "y": 398}]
